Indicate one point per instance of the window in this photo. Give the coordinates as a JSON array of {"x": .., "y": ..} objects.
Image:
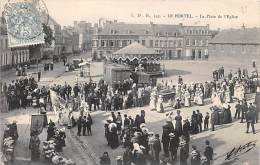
[
  {"x": 111, "y": 43},
  {"x": 151, "y": 43},
  {"x": 187, "y": 42},
  {"x": 120, "y": 43},
  {"x": 143, "y": 42},
  {"x": 124, "y": 43},
  {"x": 161, "y": 43},
  {"x": 170, "y": 43},
  {"x": 103, "y": 43},
  {"x": 156, "y": 43},
  {"x": 179, "y": 43},
  {"x": 193, "y": 42}
]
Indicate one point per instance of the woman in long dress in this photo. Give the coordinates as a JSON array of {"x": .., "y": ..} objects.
[
  {"x": 160, "y": 107},
  {"x": 187, "y": 98},
  {"x": 153, "y": 101},
  {"x": 200, "y": 97},
  {"x": 178, "y": 123}
]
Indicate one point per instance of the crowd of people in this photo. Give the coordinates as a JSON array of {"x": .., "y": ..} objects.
[
  {"x": 235, "y": 86},
  {"x": 143, "y": 146},
  {"x": 23, "y": 92}
]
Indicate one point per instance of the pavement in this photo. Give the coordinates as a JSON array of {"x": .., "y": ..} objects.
[{"x": 88, "y": 149}]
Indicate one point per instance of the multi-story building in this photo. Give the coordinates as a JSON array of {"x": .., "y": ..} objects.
[
  {"x": 85, "y": 31},
  {"x": 173, "y": 41},
  {"x": 67, "y": 42},
  {"x": 196, "y": 40},
  {"x": 236, "y": 42},
  {"x": 56, "y": 46},
  {"x": 10, "y": 57}
]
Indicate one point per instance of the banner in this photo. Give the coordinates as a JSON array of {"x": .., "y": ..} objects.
[{"x": 37, "y": 122}]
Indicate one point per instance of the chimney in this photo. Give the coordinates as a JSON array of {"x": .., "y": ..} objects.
[{"x": 180, "y": 24}]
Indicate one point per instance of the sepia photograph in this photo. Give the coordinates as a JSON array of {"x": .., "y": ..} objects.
[{"x": 129, "y": 82}]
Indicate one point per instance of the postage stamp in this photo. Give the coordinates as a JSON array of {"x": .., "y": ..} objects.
[{"x": 24, "y": 22}]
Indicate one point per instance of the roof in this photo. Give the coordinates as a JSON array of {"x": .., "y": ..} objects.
[
  {"x": 238, "y": 36},
  {"x": 139, "y": 29},
  {"x": 135, "y": 49}
]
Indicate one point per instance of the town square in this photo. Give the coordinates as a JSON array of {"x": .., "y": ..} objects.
[{"x": 122, "y": 93}]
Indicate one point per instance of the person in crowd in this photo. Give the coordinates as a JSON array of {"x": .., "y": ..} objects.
[
  {"x": 156, "y": 148},
  {"x": 178, "y": 124},
  {"x": 39, "y": 75},
  {"x": 84, "y": 125},
  {"x": 250, "y": 120},
  {"x": 244, "y": 109},
  {"x": 195, "y": 156},
  {"x": 238, "y": 109},
  {"x": 34, "y": 146},
  {"x": 173, "y": 146},
  {"x": 89, "y": 123},
  {"x": 186, "y": 131},
  {"x": 80, "y": 124},
  {"x": 184, "y": 153},
  {"x": 166, "y": 139},
  {"x": 206, "y": 121},
  {"x": 50, "y": 130},
  {"x": 208, "y": 152},
  {"x": 194, "y": 123},
  {"x": 199, "y": 120},
  {"x": 105, "y": 159}
]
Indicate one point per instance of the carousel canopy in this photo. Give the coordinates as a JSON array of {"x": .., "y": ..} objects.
[{"x": 136, "y": 50}]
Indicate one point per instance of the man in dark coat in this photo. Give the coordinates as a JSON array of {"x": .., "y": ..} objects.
[
  {"x": 157, "y": 148},
  {"x": 39, "y": 75},
  {"x": 244, "y": 110},
  {"x": 79, "y": 123},
  {"x": 199, "y": 119},
  {"x": 165, "y": 141},
  {"x": 208, "y": 152},
  {"x": 250, "y": 119},
  {"x": 173, "y": 146},
  {"x": 238, "y": 110},
  {"x": 84, "y": 124},
  {"x": 186, "y": 130},
  {"x": 184, "y": 153}
]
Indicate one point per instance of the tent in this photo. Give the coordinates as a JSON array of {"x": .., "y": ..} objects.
[{"x": 136, "y": 51}]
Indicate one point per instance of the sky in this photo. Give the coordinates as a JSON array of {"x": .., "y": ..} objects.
[{"x": 197, "y": 12}]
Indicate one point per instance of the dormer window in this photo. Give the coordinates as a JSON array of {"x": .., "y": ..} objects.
[
  {"x": 129, "y": 32},
  {"x": 146, "y": 32}
]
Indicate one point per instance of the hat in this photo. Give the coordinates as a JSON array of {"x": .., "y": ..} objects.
[
  {"x": 62, "y": 129},
  {"x": 194, "y": 153},
  {"x": 145, "y": 130},
  {"x": 171, "y": 135},
  {"x": 142, "y": 125}
]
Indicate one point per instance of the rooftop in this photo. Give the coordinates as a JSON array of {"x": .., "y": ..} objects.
[
  {"x": 135, "y": 49},
  {"x": 238, "y": 36}
]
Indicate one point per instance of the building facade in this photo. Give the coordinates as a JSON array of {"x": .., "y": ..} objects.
[
  {"x": 173, "y": 41},
  {"x": 56, "y": 47},
  {"x": 236, "y": 42}
]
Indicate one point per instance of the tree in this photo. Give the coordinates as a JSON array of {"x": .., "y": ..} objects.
[{"x": 48, "y": 34}]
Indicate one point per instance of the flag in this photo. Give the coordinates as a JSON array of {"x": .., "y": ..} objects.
[{"x": 37, "y": 123}]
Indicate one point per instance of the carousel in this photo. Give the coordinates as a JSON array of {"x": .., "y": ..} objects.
[{"x": 142, "y": 61}]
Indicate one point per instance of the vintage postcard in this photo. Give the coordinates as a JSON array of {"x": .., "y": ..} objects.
[{"x": 129, "y": 82}]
